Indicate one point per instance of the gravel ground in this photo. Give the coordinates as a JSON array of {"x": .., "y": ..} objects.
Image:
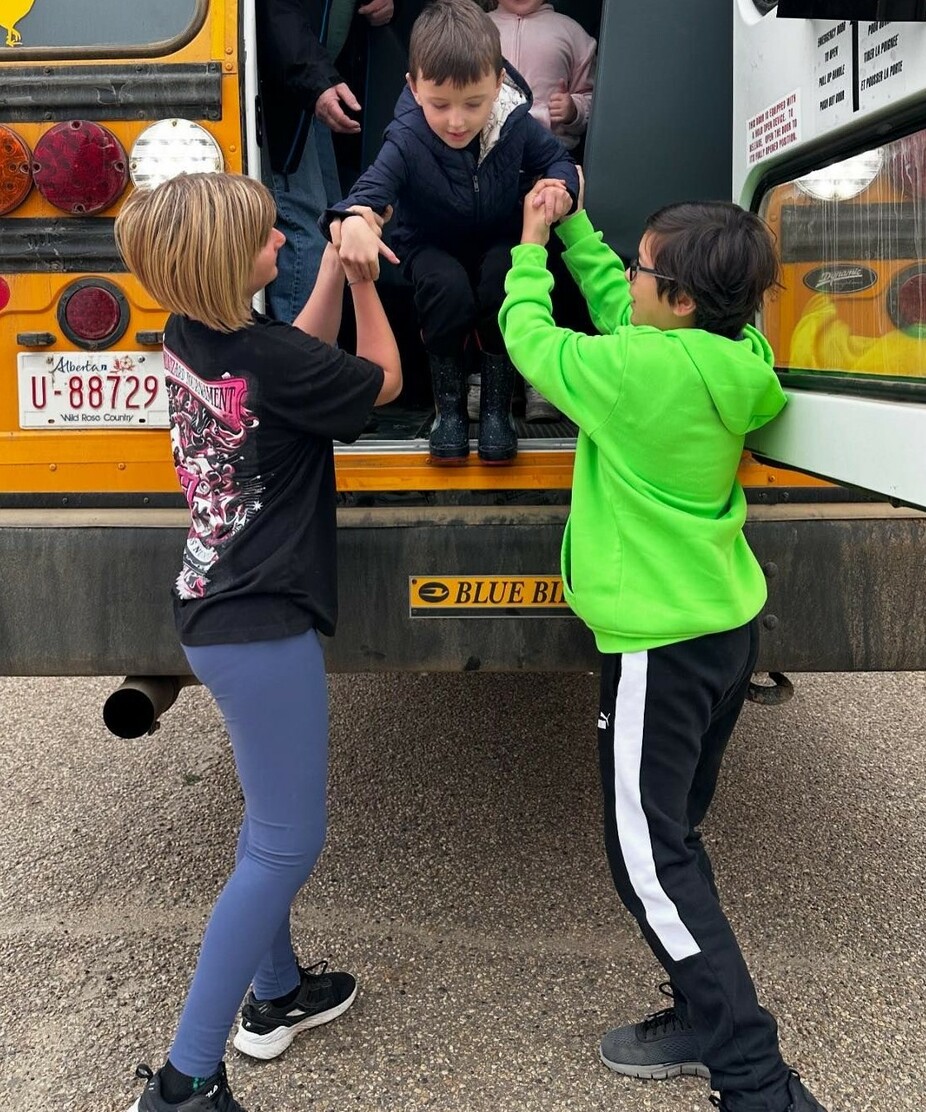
[{"x": 464, "y": 883}]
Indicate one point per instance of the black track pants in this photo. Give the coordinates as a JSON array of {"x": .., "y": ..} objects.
[{"x": 666, "y": 716}]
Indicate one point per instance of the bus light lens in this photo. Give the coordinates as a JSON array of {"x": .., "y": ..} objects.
[
  {"x": 844, "y": 179},
  {"x": 172, "y": 147},
  {"x": 4, "y": 293},
  {"x": 80, "y": 167},
  {"x": 15, "y": 170},
  {"x": 93, "y": 313}
]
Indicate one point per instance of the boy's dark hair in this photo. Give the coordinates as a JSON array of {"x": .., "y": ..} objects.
[
  {"x": 455, "y": 41},
  {"x": 719, "y": 254}
]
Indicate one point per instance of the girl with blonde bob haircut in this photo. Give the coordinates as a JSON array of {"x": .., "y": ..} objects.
[
  {"x": 255, "y": 405},
  {"x": 191, "y": 243}
]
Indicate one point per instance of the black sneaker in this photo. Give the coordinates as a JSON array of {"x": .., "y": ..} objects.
[
  {"x": 265, "y": 1031},
  {"x": 213, "y": 1096},
  {"x": 664, "y": 1045},
  {"x": 802, "y": 1100}
]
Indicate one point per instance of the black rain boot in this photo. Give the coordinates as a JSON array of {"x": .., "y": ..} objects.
[
  {"x": 498, "y": 441},
  {"x": 449, "y": 439}
]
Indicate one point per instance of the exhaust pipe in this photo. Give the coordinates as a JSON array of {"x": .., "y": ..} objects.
[{"x": 135, "y": 708}]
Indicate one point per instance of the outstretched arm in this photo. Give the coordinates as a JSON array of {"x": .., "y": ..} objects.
[{"x": 599, "y": 272}]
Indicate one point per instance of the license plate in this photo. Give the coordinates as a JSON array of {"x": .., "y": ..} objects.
[{"x": 92, "y": 390}]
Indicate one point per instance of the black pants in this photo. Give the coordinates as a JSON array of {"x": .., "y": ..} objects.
[
  {"x": 455, "y": 294},
  {"x": 458, "y": 293},
  {"x": 666, "y": 716}
]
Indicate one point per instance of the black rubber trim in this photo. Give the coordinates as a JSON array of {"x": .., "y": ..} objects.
[{"x": 143, "y": 91}]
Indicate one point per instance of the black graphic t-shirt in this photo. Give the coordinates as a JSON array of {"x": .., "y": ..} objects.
[{"x": 253, "y": 415}]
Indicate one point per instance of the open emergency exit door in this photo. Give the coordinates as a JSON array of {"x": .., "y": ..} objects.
[{"x": 829, "y": 147}]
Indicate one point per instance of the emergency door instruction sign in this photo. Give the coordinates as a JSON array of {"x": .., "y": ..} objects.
[
  {"x": 486, "y": 596},
  {"x": 775, "y": 129}
]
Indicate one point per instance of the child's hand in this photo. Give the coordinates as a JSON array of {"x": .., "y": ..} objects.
[
  {"x": 546, "y": 203},
  {"x": 562, "y": 107},
  {"x": 360, "y": 249}
]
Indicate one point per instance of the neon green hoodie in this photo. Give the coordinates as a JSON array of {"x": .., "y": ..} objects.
[{"x": 654, "y": 550}]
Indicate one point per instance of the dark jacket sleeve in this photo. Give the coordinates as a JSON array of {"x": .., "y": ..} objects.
[
  {"x": 290, "y": 56},
  {"x": 545, "y": 156},
  {"x": 378, "y": 186}
]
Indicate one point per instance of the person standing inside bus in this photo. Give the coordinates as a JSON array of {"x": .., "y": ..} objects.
[
  {"x": 457, "y": 159},
  {"x": 254, "y": 407},
  {"x": 303, "y": 100},
  {"x": 655, "y": 562}
]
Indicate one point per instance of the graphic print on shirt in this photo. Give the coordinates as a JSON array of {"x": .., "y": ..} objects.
[{"x": 209, "y": 428}]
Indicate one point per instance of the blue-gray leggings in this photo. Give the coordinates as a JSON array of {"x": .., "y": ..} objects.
[{"x": 274, "y": 699}]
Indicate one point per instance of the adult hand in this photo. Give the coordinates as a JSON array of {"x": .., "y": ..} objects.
[
  {"x": 328, "y": 109},
  {"x": 377, "y": 12},
  {"x": 562, "y": 107},
  {"x": 361, "y": 249}
]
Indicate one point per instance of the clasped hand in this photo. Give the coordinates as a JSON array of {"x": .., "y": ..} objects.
[
  {"x": 359, "y": 243},
  {"x": 546, "y": 203}
]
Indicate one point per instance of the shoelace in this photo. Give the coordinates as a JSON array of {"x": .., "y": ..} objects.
[{"x": 668, "y": 1019}]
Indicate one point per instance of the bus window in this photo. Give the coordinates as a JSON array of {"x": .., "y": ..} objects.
[
  {"x": 95, "y": 27},
  {"x": 852, "y": 240}
]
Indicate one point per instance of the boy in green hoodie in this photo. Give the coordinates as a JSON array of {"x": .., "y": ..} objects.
[{"x": 656, "y": 564}]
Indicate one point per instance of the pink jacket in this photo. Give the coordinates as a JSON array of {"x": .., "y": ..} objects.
[{"x": 547, "y": 47}]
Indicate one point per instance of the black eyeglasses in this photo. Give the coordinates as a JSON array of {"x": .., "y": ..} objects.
[{"x": 634, "y": 268}]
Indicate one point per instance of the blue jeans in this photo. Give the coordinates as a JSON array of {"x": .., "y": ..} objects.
[
  {"x": 301, "y": 197},
  {"x": 274, "y": 699}
]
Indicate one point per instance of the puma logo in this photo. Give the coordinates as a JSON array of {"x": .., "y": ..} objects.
[{"x": 604, "y": 720}]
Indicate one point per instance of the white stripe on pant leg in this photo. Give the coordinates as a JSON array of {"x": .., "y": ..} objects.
[{"x": 632, "y": 827}]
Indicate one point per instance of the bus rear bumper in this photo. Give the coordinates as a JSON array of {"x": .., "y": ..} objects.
[{"x": 87, "y": 592}]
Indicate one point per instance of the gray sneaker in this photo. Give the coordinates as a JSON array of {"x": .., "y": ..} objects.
[{"x": 660, "y": 1047}]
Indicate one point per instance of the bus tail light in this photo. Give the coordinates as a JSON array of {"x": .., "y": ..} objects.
[
  {"x": 172, "y": 147},
  {"x": 15, "y": 170},
  {"x": 4, "y": 294},
  {"x": 80, "y": 167},
  {"x": 93, "y": 313}
]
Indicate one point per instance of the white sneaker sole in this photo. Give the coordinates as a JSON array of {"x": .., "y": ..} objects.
[
  {"x": 275, "y": 1042},
  {"x": 134, "y": 1107},
  {"x": 660, "y": 1072}
]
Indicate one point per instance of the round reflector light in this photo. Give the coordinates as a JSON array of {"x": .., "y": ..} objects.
[
  {"x": 843, "y": 179},
  {"x": 80, "y": 167},
  {"x": 15, "y": 170},
  {"x": 93, "y": 313},
  {"x": 4, "y": 293},
  {"x": 172, "y": 147}
]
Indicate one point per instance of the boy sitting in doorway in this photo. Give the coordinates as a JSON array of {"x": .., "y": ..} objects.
[{"x": 460, "y": 155}]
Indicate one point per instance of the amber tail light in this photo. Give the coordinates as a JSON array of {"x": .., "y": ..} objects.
[{"x": 15, "y": 170}]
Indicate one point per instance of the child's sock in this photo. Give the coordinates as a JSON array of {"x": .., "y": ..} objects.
[
  {"x": 285, "y": 1001},
  {"x": 177, "y": 1087}
]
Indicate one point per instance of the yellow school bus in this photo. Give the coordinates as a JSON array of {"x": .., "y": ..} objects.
[{"x": 440, "y": 568}]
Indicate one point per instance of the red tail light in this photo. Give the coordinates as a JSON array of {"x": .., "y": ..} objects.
[
  {"x": 4, "y": 293},
  {"x": 93, "y": 313},
  {"x": 80, "y": 167},
  {"x": 15, "y": 170}
]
